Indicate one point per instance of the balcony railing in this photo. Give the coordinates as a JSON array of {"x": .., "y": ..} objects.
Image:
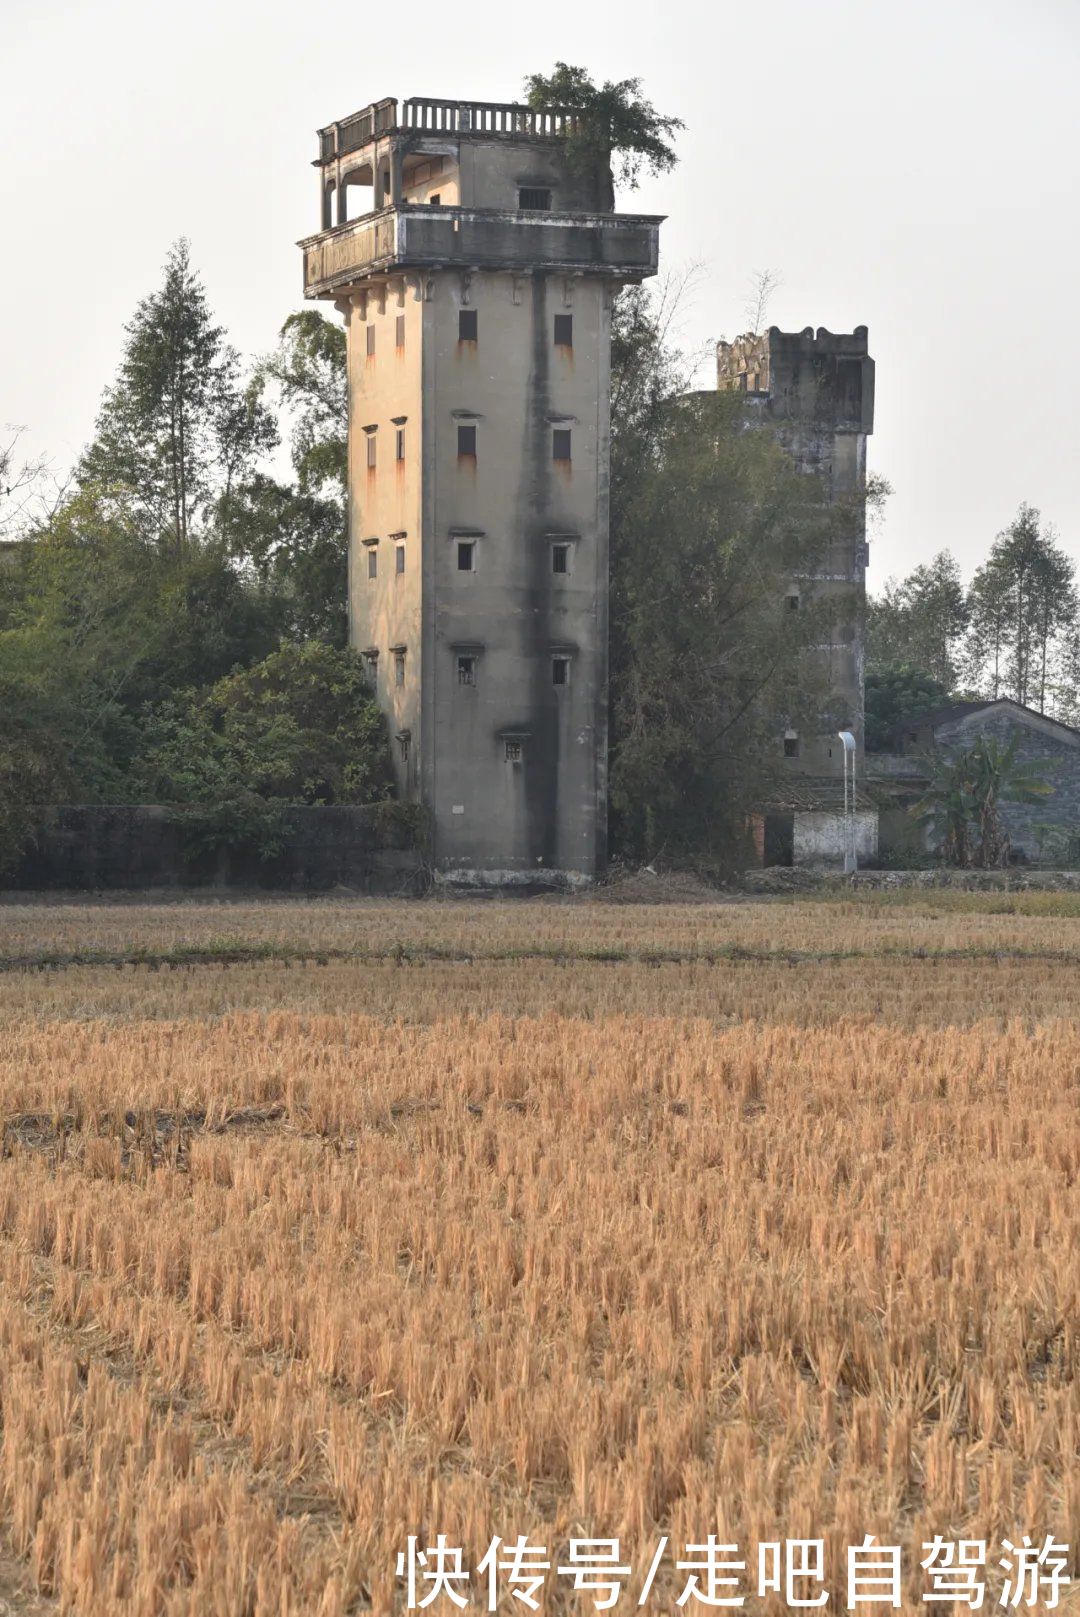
[
  {"x": 436, "y": 116},
  {"x": 418, "y": 236}
]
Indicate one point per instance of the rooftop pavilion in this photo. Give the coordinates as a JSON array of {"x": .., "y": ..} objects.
[{"x": 433, "y": 184}]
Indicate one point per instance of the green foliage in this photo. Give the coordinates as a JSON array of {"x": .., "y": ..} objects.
[
  {"x": 299, "y": 727},
  {"x": 176, "y": 430},
  {"x": 291, "y": 546},
  {"x": 174, "y": 562},
  {"x": 1024, "y": 609},
  {"x": 32, "y": 760},
  {"x": 308, "y": 367},
  {"x": 894, "y": 692},
  {"x": 919, "y": 621},
  {"x": 616, "y": 122},
  {"x": 294, "y": 539},
  {"x": 107, "y": 616},
  {"x": 1015, "y": 632},
  {"x": 708, "y": 664},
  {"x": 962, "y": 803}
]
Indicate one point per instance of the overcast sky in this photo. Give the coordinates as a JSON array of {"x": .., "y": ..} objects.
[{"x": 908, "y": 166}]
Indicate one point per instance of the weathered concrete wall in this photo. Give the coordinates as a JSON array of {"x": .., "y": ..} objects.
[
  {"x": 81, "y": 847},
  {"x": 492, "y": 673},
  {"x": 542, "y": 808},
  {"x": 821, "y": 837},
  {"x": 385, "y": 400}
]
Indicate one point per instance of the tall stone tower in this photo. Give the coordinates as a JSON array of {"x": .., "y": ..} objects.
[
  {"x": 476, "y": 288},
  {"x": 818, "y": 390}
]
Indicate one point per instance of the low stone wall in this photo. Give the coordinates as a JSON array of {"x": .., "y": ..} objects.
[{"x": 94, "y": 848}]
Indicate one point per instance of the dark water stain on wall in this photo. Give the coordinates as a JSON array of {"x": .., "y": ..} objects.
[{"x": 540, "y": 776}]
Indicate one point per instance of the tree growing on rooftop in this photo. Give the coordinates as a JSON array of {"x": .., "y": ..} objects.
[{"x": 618, "y": 127}]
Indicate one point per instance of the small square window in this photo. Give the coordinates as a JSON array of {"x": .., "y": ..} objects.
[
  {"x": 560, "y": 444},
  {"x": 399, "y": 443},
  {"x": 372, "y": 562},
  {"x": 791, "y": 746},
  {"x": 371, "y": 449},
  {"x": 399, "y": 558},
  {"x": 560, "y": 670},
  {"x": 467, "y": 325},
  {"x": 434, "y": 199},
  {"x": 560, "y": 558},
  {"x": 513, "y": 752},
  {"x": 399, "y": 331},
  {"x": 792, "y": 602},
  {"x": 466, "y": 670},
  {"x": 466, "y": 441},
  {"x": 371, "y": 339},
  {"x": 399, "y": 668},
  {"x": 466, "y": 555},
  {"x": 564, "y": 330},
  {"x": 534, "y": 198}
]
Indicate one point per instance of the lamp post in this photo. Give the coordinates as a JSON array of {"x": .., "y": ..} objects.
[{"x": 851, "y": 863}]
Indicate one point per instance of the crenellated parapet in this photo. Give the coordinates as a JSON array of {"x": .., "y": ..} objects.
[{"x": 821, "y": 377}]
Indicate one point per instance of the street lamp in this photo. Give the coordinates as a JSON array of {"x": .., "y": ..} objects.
[{"x": 851, "y": 863}]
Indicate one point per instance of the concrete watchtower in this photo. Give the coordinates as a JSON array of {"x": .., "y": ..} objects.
[{"x": 476, "y": 290}]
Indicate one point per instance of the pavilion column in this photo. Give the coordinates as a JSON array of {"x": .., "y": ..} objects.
[{"x": 396, "y": 175}]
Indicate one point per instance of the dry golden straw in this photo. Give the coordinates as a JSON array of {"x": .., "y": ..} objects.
[{"x": 280, "y": 1287}]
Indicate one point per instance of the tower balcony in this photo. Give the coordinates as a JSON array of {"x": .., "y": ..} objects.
[{"x": 419, "y": 236}]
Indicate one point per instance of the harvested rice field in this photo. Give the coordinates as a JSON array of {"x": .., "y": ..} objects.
[{"x": 331, "y": 1226}]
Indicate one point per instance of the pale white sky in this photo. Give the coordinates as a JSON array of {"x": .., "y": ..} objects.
[{"x": 908, "y": 166}]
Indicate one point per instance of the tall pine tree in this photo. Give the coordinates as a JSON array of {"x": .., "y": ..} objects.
[{"x": 177, "y": 429}]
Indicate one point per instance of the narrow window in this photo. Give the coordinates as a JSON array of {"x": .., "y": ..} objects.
[
  {"x": 560, "y": 444},
  {"x": 466, "y": 670},
  {"x": 371, "y": 665},
  {"x": 399, "y": 558},
  {"x": 465, "y": 555},
  {"x": 403, "y": 739},
  {"x": 792, "y": 602},
  {"x": 560, "y": 558},
  {"x": 564, "y": 330},
  {"x": 513, "y": 752},
  {"x": 399, "y": 331},
  {"x": 371, "y": 449},
  {"x": 372, "y": 562},
  {"x": 399, "y": 667},
  {"x": 466, "y": 441},
  {"x": 791, "y": 746},
  {"x": 534, "y": 199},
  {"x": 399, "y": 444},
  {"x": 467, "y": 325},
  {"x": 560, "y": 670},
  {"x": 386, "y": 185},
  {"x": 370, "y": 339}
]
